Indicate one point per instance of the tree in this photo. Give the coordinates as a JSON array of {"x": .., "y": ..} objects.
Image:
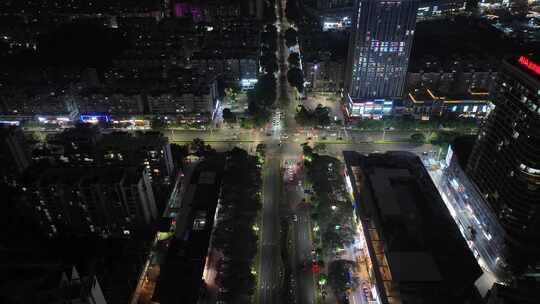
[
  {"x": 292, "y": 11},
  {"x": 303, "y": 116},
  {"x": 157, "y": 124},
  {"x": 321, "y": 115},
  {"x": 291, "y": 37},
  {"x": 269, "y": 13},
  {"x": 338, "y": 276},
  {"x": 229, "y": 116},
  {"x": 261, "y": 149},
  {"x": 231, "y": 94},
  {"x": 307, "y": 150},
  {"x": 418, "y": 138},
  {"x": 268, "y": 61},
  {"x": 319, "y": 147},
  {"x": 294, "y": 59},
  {"x": 296, "y": 79},
  {"x": 265, "y": 90},
  {"x": 179, "y": 152}
]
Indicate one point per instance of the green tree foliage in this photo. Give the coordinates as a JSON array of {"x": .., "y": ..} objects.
[
  {"x": 234, "y": 236},
  {"x": 294, "y": 59},
  {"x": 320, "y": 116},
  {"x": 229, "y": 116},
  {"x": 157, "y": 124},
  {"x": 296, "y": 78},
  {"x": 338, "y": 276},
  {"x": 418, "y": 138},
  {"x": 291, "y": 37},
  {"x": 268, "y": 61},
  {"x": 261, "y": 150},
  {"x": 292, "y": 11}
]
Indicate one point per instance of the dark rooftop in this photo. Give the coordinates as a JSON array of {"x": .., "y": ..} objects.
[
  {"x": 422, "y": 243},
  {"x": 180, "y": 280}
]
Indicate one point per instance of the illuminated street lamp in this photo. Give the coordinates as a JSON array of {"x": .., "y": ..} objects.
[{"x": 334, "y": 207}]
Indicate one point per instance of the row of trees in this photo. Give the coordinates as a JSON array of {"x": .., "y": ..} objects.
[
  {"x": 234, "y": 236},
  {"x": 296, "y": 78},
  {"x": 405, "y": 123},
  {"x": 263, "y": 96},
  {"x": 291, "y": 37},
  {"x": 440, "y": 137},
  {"x": 268, "y": 58},
  {"x": 294, "y": 74},
  {"x": 320, "y": 116},
  {"x": 269, "y": 13},
  {"x": 292, "y": 11},
  {"x": 332, "y": 211}
]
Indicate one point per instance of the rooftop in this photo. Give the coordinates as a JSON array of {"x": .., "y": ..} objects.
[
  {"x": 421, "y": 243},
  {"x": 181, "y": 275}
]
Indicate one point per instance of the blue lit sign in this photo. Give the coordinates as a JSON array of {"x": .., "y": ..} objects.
[{"x": 95, "y": 117}]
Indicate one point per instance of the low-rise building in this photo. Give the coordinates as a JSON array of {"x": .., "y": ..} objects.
[
  {"x": 115, "y": 104},
  {"x": 197, "y": 101},
  {"x": 425, "y": 104},
  {"x": 435, "y": 9}
]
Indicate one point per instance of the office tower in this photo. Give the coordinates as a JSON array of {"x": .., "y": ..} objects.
[
  {"x": 505, "y": 161},
  {"x": 90, "y": 200},
  {"x": 379, "y": 50}
]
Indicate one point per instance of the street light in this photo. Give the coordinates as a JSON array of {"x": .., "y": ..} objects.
[{"x": 334, "y": 207}]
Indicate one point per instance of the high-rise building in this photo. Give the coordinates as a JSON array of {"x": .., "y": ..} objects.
[
  {"x": 379, "y": 50},
  {"x": 85, "y": 200},
  {"x": 87, "y": 146},
  {"x": 505, "y": 162}
]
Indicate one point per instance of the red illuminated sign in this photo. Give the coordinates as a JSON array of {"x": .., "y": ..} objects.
[{"x": 529, "y": 64}]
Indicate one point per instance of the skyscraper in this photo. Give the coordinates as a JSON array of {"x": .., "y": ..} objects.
[
  {"x": 505, "y": 161},
  {"x": 379, "y": 50}
]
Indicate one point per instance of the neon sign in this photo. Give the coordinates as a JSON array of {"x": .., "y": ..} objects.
[{"x": 529, "y": 64}]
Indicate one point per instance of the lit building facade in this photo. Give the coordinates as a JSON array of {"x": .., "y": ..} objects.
[
  {"x": 379, "y": 50},
  {"x": 424, "y": 104},
  {"x": 505, "y": 162}
]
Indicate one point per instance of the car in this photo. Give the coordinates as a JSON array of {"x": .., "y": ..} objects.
[{"x": 295, "y": 218}]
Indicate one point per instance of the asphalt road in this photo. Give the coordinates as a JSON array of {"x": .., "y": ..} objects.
[
  {"x": 269, "y": 273},
  {"x": 305, "y": 287}
]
